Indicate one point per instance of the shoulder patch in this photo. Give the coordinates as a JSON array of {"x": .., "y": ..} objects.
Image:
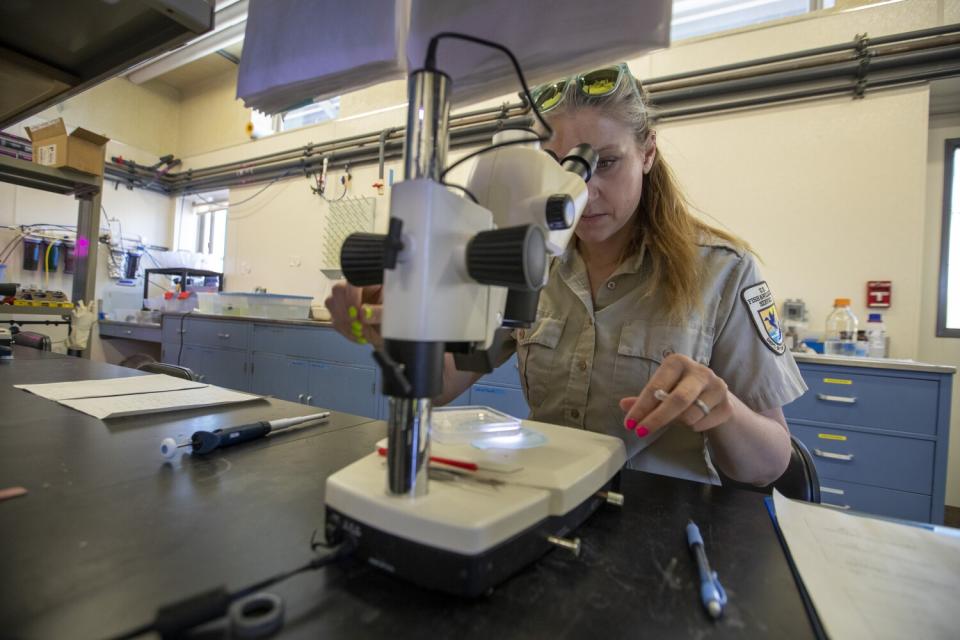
[{"x": 763, "y": 312}]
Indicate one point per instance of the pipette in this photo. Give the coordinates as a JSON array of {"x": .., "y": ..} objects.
[{"x": 203, "y": 442}]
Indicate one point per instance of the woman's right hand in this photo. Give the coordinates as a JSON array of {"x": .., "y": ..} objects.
[{"x": 356, "y": 312}]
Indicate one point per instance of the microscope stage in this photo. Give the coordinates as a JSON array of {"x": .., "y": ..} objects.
[{"x": 477, "y": 527}]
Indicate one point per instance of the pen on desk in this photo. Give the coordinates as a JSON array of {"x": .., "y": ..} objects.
[
  {"x": 711, "y": 591},
  {"x": 203, "y": 442}
]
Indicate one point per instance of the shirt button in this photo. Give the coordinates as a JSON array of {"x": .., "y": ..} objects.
[
  {"x": 521, "y": 333},
  {"x": 611, "y": 285},
  {"x": 582, "y": 365},
  {"x": 575, "y": 414}
]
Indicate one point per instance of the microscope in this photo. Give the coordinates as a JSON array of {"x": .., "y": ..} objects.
[{"x": 454, "y": 274}]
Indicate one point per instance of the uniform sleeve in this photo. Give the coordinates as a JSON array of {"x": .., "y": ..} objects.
[{"x": 749, "y": 349}]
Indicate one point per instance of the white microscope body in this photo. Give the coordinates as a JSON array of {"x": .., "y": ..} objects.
[{"x": 453, "y": 273}]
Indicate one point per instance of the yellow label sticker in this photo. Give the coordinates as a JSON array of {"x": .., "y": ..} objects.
[
  {"x": 837, "y": 381},
  {"x": 831, "y": 436}
]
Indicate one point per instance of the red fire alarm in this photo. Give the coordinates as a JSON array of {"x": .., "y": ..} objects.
[{"x": 878, "y": 294}]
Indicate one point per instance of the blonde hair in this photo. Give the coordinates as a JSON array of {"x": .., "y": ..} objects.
[{"x": 662, "y": 223}]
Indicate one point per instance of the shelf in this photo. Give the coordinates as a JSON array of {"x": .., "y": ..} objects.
[
  {"x": 63, "y": 181},
  {"x": 13, "y": 310}
]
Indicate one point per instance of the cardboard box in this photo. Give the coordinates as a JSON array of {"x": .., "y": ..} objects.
[{"x": 81, "y": 150}]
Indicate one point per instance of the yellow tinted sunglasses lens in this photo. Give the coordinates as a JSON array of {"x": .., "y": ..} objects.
[
  {"x": 550, "y": 96},
  {"x": 601, "y": 82}
]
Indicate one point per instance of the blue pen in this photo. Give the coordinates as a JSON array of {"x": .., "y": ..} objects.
[{"x": 711, "y": 591}]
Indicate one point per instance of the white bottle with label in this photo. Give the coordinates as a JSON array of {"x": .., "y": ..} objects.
[
  {"x": 841, "y": 334},
  {"x": 876, "y": 337}
]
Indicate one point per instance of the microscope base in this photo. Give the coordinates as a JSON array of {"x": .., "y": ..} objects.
[{"x": 467, "y": 535}]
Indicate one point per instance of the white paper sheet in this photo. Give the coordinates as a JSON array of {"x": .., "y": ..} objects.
[
  {"x": 118, "y": 406},
  {"x": 109, "y": 387},
  {"x": 869, "y": 578}
]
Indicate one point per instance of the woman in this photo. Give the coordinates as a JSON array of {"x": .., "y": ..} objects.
[{"x": 653, "y": 326}]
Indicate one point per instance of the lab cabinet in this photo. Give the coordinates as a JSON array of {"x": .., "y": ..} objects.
[
  {"x": 222, "y": 367},
  {"x": 306, "y": 362},
  {"x": 878, "y": 434}
]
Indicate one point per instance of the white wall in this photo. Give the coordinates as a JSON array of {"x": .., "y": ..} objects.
[
  {"x": 932, "y": 348},
  {"x": 817, "y": 190}
]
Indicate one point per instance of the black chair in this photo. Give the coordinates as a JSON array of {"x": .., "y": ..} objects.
[
  {"x": 169, "y": 369},
  {"x": 799, "y": 482},
  {"x": 33, "y": 340}
]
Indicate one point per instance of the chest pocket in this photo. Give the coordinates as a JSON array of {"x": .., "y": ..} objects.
[
  {"x": 537, "y": 353},
  {"x": 643, "y": 347}
]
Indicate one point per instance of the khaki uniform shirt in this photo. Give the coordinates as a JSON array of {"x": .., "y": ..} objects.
[{"x": 579, "y": 359}]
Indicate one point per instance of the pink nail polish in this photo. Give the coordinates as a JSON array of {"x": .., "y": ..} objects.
[
  {"x": 642, "y": 431},
  {"x": 630, "y": 424}
]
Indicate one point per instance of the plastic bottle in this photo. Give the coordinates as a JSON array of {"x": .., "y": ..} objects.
[
  {"x": 876, "y": 336},
  {"x": 841, "y": 335}
]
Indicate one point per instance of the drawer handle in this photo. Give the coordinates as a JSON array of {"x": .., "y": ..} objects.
[
  {"x": 309, "y": 399},
  {"x": 840, "y": 507},
  {"x": 300, "y": 397},
  {"x": 846, "y": 457},
  {"x": 129, "y": 332},
  {"x": 223, "y": 336},
  {"x": 841, "y": 399},
  {"x": 836, "y": 492}
]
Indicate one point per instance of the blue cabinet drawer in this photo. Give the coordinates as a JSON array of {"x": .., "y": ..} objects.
[
  {"x": 215, "y": 333},
  {"x": 867, "y": 400},
  {"x": 506, "y": 374},
  {"x": 883, "y": 461},
  {"x": 322, "y": 343},
  {"x": 883, "y": 502},
  {"x": 222, "y": 367},
  {"x": 506, "y": 399},
  {"x": 280, "y": 376},
  {"x": 343, "y": 388}
]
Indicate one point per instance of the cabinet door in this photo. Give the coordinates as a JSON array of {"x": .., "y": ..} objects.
[
  {"x": 344, "y": 388},
  {"x": 223, "y": 367},
  {"x": 280, "y": 376},
  {"x": 505, "y": 399}
]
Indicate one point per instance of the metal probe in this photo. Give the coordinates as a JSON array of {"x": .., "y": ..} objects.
[{"x": 203, "y": 442}]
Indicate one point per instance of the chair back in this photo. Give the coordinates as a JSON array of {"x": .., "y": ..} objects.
[
  {"x": 33, "y": 340},
  {"x": 169, "y": 369},
  {"x": 800, "y": 481}
]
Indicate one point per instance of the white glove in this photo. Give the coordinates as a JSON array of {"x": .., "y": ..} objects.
[{"x": 82, "y": 319}]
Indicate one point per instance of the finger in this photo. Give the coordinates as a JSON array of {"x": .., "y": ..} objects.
[
  {"x": 371, "y": 314},
  {"x": 713, "y": 397},
  {"x": 627, "y": 403},
  {"x": 678, "y": 401},
  {"x": 344, "y": 309},
  {"x": 666, "y": 377},
  {"x": 372, "y": 294}
]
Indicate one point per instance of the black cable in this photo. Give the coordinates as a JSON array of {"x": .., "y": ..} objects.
[
  {"x": 174, "y": 619},
  {"x": 182, "y": 318},
  {"x": 430, "y": 63},
  {"x": 462, "y": 188}
]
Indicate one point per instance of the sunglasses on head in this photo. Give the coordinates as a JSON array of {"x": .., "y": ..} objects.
[{"x": 593, "y": 84}]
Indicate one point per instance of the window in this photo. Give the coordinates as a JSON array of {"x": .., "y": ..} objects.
[
  {"x": 203, "y": 228},
  {"x": 693, "y": 18},
  {"x": 948, "y": 316},
  {"x": 314, "y": 112}
]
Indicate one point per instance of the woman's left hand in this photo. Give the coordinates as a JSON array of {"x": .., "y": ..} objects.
[{"x": 682, "y": 390}]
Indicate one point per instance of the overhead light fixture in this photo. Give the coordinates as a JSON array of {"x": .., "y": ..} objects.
[{"x": 230, "y": 23}]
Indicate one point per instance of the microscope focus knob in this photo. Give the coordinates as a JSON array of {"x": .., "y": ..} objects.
[
  {"x": 514, "y": 257},
  {"x": 362, "y": 258},
  {"x": 560, "y": 212}
]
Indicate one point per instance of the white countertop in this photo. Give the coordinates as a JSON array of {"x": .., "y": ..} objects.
[{"x": 874, "y": 363}]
